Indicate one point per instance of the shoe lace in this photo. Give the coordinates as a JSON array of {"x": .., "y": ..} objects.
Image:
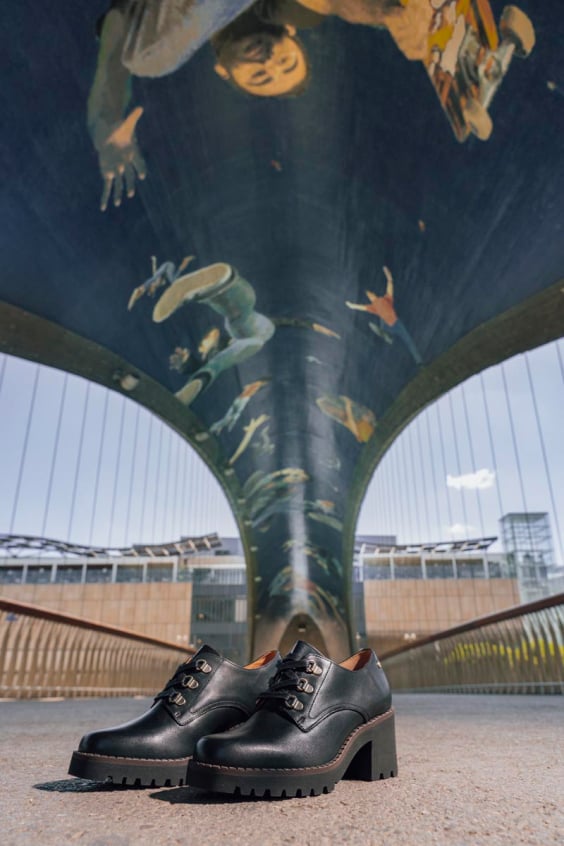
[
  {"x": 287, "y": 678},
  {"x": 184, "y": 679}
]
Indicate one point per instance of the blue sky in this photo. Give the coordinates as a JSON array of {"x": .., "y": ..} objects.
[{"x": 478, "y": 452}]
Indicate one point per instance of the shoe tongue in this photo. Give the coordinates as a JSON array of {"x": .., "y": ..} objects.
[
  {"x": 300, "y": 649},
  {"x": 205, "y": 649}
]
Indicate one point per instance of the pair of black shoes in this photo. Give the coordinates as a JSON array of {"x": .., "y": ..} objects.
[{"x": 290, "y": 726}]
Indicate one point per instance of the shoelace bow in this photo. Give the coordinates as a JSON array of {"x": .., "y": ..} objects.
[
  {"x": 183, "y": 679},
  {"x": 288, "y": 678}
]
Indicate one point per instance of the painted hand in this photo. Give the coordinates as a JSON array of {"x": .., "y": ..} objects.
[
  {"x": 121, "y": 162},
  {"x": 409, "y": 26}
]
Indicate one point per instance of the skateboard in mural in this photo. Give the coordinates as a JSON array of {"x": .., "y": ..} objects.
[{"x": 468, "y": 56}]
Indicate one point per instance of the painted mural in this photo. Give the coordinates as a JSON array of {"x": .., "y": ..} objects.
[
  {"x": 244, "y": 330},
  {"x": 388, "y": 325},
  {"x": 358, "y": 419},
  {"x": 273, "y": 154},
  {"x": 258, "y": 51}
]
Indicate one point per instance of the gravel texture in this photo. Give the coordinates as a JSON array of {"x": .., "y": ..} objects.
[{"x": 472, "y": 770}]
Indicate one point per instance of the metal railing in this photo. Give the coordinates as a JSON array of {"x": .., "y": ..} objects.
[
  {"x": 520, "y": 650},
  {"x": 47, "y": 654}
]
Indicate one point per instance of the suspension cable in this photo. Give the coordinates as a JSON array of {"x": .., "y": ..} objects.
[
  {"x": 131, "y": 475},
  {"x": 98, "y": 467},
  {"x": 472, "y": 456},
  {"x": 78, "y": 460},
  {"x": 544, "y": 457},
  {"x": 118, "y": 466},
  {"x": 54, "y": 455},
  {"x": 492, "y": 445},
  {"x": 157, "y": 481},
  {"x": 145, "y": 476},
  {"x": 433, "y": 474},
  {"x": 417, "y": 425},
  {"x": 24, "y": 450},
  {"x": 443, "y": 456}
]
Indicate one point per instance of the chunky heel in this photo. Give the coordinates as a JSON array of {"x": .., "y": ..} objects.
[{"x": 377, "y": 758}]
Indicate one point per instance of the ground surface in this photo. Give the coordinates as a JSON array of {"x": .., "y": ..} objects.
[{"x": 473, "y": 770}]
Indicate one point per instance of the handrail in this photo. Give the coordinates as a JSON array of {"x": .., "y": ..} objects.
[
  {"x": 519, "y": 650},
  {"x": 479, "y": 622},
  {"x": 41, "y": 613},
  {"x": 44, "y": 653}
]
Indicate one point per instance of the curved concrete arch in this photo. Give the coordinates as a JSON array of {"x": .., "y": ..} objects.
[
  {"x": 346, "y": 240},
  {"x": 534, "y": 322}
]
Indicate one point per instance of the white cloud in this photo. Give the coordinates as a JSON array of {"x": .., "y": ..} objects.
[
  {"x": 460, "y": 530},
  {"x": 478, "y": 481}
]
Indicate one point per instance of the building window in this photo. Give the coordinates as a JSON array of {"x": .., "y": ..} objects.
[
  {"x": 68, "y": 574},
  {"x": 39, "y": 575},
  {"x": 407, "y": 568},
  {"x": 470, "y": 569},
  {"x": 11, "y": 576},
  {"x": 129, "y": 573},
  {"x": 441, "y": 569},
  {"x": 159, "y": 572},
  {"x": 98, "y": 573}
]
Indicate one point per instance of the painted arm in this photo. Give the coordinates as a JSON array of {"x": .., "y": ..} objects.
[
  {"x": 113, "y": 134},
  {"x": 389, "y": 282}
]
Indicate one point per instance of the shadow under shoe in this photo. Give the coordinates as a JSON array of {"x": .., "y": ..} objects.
[
  {"x": 317, "y": 723},
  {"x": 207, "y": 694}
]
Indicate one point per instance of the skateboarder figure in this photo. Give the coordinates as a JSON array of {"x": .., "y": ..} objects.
[{"x": 389, "y": 323}]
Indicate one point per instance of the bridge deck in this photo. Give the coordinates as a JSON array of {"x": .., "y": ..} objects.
[{"x": 473, "y": 770}]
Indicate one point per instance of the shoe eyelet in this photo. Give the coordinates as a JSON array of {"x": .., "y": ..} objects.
[
  {"x": 203, "y": 666},
  {"x": 314, "y": 668},
  {"x": 294, "y": 704},
  {"x": 189, "y": 681},
  {"x": 176, "y": 699},
  {"x": 305, "y": 686}
]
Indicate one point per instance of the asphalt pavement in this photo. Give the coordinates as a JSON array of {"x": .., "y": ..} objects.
[{"x": 473, "y": 770}]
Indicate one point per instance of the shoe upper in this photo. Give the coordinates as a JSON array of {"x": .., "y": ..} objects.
[
  {"x": 208, "y": 693},
  {"x": 311, "y": 706}
]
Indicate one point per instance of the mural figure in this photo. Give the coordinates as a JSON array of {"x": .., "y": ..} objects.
[
  {"x": 321, "y": 602},
  {"x": 160, "y": 276},
  {"x": 389, "y": 325},
  {"x": 221, "y": 288},
  {"x": 178, "y": 360},
  {"x": 315, "y": 583},
  {"x": 327, "y": 562},
  {"x": 301, "y": 323},
  {"x": 249, "y": 430},
  {"x": 259, "y": 52},
  {"x": 264, "y": 445},
  {"x": 209, "y": 343},
  {"x": 466, "y": 60},
  {"x": 267, "y": 494},
  {"x": 323, "y": 330},
  {"x": 332, "y": 463},
  {"x": 323, "y": 511},
  {"x": 237, "y": 407},
  {"x": 153, "y": 38},
  {"x": 355, "y": 417}
]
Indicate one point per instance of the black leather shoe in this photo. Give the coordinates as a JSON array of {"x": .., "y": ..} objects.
[
  {"x": 318, "y": 722},
  {"x": 207, "y": 694}
]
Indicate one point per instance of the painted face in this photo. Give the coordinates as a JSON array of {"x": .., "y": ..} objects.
[{"x": 268, "y": 67}]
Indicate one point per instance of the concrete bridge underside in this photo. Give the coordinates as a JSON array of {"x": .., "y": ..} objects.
[{"x": 296, "y": 277}]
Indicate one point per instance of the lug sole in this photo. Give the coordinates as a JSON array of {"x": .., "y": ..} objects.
[
  {"x": 132, "y": 772},
  {"x": 368, "y": 754}
]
